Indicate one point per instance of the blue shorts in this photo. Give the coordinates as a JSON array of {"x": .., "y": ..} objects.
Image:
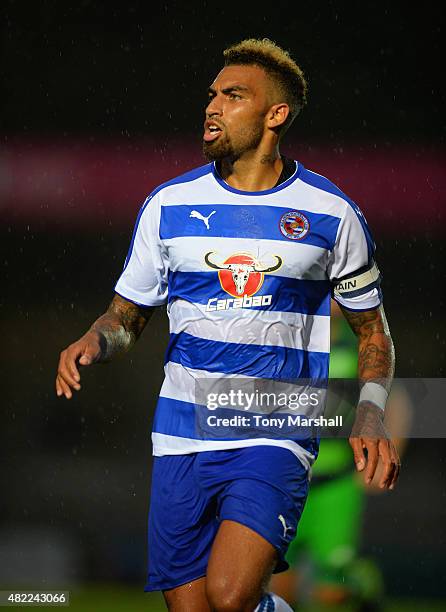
[{"x": 262, "y": 487}]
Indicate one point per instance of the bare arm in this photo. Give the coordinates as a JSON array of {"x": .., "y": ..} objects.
[
  {"x": 114, "y": 332},
  {"x": 376, "y": 363},
  {"x": 376, "y": 355}
]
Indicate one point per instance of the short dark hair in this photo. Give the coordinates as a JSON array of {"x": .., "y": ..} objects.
[{"x": 279, "y": 66}]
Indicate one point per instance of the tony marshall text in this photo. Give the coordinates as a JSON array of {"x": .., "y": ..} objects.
[{"x": 289, "y": 420}]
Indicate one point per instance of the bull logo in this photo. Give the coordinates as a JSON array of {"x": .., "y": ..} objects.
[{"x": 241, "y": 274}]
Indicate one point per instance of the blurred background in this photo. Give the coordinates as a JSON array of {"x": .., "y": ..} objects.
[{"x": 99, "y": 106}]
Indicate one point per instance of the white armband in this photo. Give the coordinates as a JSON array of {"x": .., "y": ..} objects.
[
  {"x": 357, "y": 284},
  {"x": 375, "y": 393}
]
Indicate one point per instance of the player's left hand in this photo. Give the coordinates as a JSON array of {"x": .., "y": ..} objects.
[{"x": 369, "y": 434}]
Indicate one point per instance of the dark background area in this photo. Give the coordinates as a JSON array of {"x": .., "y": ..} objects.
[
  {"x": 116, "y": 96},
  {"x": 93, "y": 69}
]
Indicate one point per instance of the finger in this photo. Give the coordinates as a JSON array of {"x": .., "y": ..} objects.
[
  {"x": 71, "y": 365},
  {"x": 358, "y": 453},
  {"x": 372, "y": 459},
  {"x": 387, "y": 474},
  {"x": 388, "y": 463},
  {"x": 396, "y": 472},
  {"x": 390, "y": 456},
  {"x": 58, "y": 387},
  {"x": 89, "y": 355},
  {"x": 65, "y": 365},
  {"x": 395, "y": 475},
  {"x": 68, "y": 379},
  {"x": 65, "y": 388}
]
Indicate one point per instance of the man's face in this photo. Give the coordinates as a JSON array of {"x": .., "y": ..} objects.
[{"x": 235, "y": 115}]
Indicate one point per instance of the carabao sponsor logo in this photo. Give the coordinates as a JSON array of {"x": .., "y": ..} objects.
[
  {"x": 241, "y": 276},
  {"x": 244, "y": 302}
]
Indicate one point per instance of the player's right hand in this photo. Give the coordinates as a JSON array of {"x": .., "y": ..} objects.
[{"x": 85, "y": 351}]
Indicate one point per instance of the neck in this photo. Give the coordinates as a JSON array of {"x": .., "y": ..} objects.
[{"x": 253, "y": 171}]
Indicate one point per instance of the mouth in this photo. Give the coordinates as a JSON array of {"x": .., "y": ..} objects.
[{"x": 211, "y": 131}]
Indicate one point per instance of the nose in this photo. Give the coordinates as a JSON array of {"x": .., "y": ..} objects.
[{"x": 214, "y": 107}]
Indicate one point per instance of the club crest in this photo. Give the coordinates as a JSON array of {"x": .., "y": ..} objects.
[{"x": 294, "y": 225}]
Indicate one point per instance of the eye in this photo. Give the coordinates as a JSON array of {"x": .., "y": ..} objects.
[{"x": 234, "y": 96}]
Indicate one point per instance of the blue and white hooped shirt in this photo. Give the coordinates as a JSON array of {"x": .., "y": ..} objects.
[{"x": 247, "y": 278}]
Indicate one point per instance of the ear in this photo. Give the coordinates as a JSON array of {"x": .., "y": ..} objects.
[{"x": 277, "y": 115}]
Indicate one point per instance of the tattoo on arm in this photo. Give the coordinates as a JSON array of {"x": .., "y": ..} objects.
[
  {"x": 120, "y": 327},
  {"x": 376, "y": 361}
]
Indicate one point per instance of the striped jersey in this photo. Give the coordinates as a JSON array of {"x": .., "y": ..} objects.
[{"x": 247, "y": 278}]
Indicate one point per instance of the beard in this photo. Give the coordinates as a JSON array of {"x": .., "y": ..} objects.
[{"x": 225, "y": 147}]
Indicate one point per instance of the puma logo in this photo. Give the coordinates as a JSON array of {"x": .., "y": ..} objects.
[
  {"x": 197, "y": 215},
  {"x": 285, "y": 527}
]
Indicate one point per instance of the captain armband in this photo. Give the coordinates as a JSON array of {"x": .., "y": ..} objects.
[{"x": 358, "y": 283}]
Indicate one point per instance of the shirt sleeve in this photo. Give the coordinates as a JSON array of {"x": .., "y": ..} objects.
[
  {"x": 145, "y": 274},
  {"x": 352, "y": 269}
]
